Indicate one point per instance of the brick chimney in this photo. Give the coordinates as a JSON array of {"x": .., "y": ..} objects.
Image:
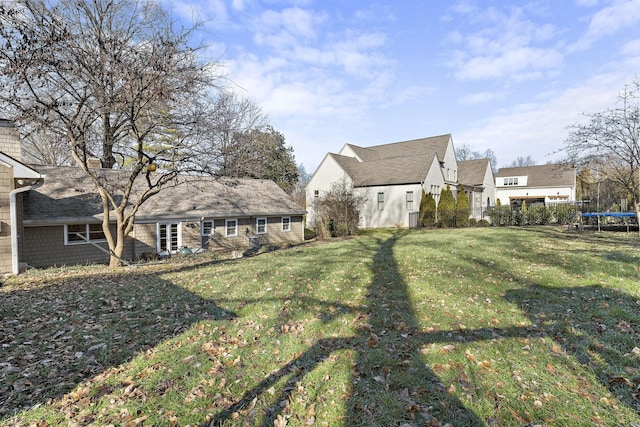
[{"x": 10, "y": 140}]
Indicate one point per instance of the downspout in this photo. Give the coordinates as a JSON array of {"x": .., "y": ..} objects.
[{"x": 15, "y": 261}]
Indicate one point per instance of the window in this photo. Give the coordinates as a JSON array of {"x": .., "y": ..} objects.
[
  {"x": 316, "y": 193},
  {"x": 380, "y": 201},
  {"x": 79, "y": 233},
  {"x": 286, "y": 223},
  {"x": 169, "y": 238},
  {"x": 207, "y": 231},
  {"x": 409, "y": 199},
  {"x": 231, "y": 227},
  {"x": 261, "y": 225},
  {"x": 511, "y": 181},
  {"x": 207, "y": 228}
]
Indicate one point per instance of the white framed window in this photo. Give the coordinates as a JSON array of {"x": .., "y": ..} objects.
[
  {"x": 207, "y": 228},
  {"x": 231, "y": 227},
  {"x": 261, "y": 225},
  {"x": 207, "y": 232},
  {"x": 75, "y": 234},
  {"x": 169, "y": 237},
  {"x": 286, "y": 223},
  {"x": 316, "y": 193},
  {"x": 380, "y": 201},
  {"x": 409, "y": 200}
]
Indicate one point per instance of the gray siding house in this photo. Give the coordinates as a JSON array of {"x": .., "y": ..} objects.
[{"x": 52, "y": 215}]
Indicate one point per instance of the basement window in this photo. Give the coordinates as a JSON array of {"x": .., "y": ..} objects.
[{"x": 77, "y": 234}]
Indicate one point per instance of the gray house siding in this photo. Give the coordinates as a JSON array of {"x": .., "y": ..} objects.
[{"x": 44, "y": 247}]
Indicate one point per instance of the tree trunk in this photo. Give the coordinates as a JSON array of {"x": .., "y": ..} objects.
[{"x": 117, "y": 251}]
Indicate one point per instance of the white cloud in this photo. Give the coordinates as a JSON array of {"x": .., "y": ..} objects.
[
  {"x": 511, "y": 64},
  {"x": 503, "y": 45},
  {"x": 539, "y": 128},
  {"x": 286, "y": 28},
  {"x": 620, "y": 15}
]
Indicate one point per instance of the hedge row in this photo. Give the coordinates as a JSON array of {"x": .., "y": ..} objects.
[{"x": 534, "y": 215}]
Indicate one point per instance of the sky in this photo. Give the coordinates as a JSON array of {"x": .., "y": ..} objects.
[{"x": 505, "y": 75}]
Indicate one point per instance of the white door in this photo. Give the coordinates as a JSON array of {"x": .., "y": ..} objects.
[{"x": 169, "y": 238}]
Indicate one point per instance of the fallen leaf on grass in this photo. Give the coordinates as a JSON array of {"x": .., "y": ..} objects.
[
  {"x": 624, "y": 327},
  {"x": 557, "y": 349},
  {"x": 447, "y": 348},
  {"x": 469, "y": 356}
]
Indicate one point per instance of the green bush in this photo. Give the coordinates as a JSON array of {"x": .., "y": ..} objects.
[
  {"x": 462, "y": 209},
  {"x": 534, "y": 215},
  {"x": 447, "y": 208},
  {"x": 483, "y": 223},
  {"x": 309, "y": 234},
  {"x": 564, "y": 214},
  {"x": 502, "y": 215},
  {"x": 427, "y": 214}
]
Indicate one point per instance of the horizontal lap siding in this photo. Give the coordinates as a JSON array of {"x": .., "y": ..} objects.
[
  {"x": 145, "y": 240},
  {"x": 44, "y": 247},
  {"x": 274, "y": 235},
  {"x": 6, "y": 185}
]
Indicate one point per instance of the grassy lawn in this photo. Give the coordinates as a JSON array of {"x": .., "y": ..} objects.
[{"x": 483, "y": 326}]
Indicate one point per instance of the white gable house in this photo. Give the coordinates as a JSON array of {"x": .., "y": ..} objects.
[
  {"x": 536, "y": 185},
  {"x": 389, "y": 177}
]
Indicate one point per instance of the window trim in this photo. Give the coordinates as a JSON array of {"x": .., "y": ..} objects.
[
  {"x": 226, "y": 227},
  {"x": 381, "y": 201},
  {"x": 288, "y": 227},
  {"x": 407, "y": 201},
  {"x": 87, "y": 233},
  {"x": 212, "y": 228},
  {"x": 258, "y": 225},
  {"x": 171, "y": 225}
]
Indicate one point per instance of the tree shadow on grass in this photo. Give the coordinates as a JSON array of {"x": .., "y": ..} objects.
[
  {"x": 56, "y": 335},
  {"x": 391, "y": 383},
  {"x": 600, "y": 327}
]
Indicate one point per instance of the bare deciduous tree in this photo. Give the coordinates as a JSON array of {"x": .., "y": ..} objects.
[
  {"x": 43, "y": 147},
  {"x": 464, "y": 152},
  {"x": 223, "y": 150},
  {"x": 119, "y": 80},
  {"x": 609, "y": 143},
  {"x": 521, "y": 161}
]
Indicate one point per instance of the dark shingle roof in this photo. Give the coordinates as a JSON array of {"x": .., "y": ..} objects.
[
  {"x": 404, "y": 162},
  {"x": 401, "y": 170},
  {"x": 69, "y": 195},
  {"x": 542, "y": 175},
  {"x": 472, "y": 172},
  {"x": 434, "y": 145}
]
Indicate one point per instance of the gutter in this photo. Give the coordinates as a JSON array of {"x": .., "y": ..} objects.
[{"x": 15, "y": 261}]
